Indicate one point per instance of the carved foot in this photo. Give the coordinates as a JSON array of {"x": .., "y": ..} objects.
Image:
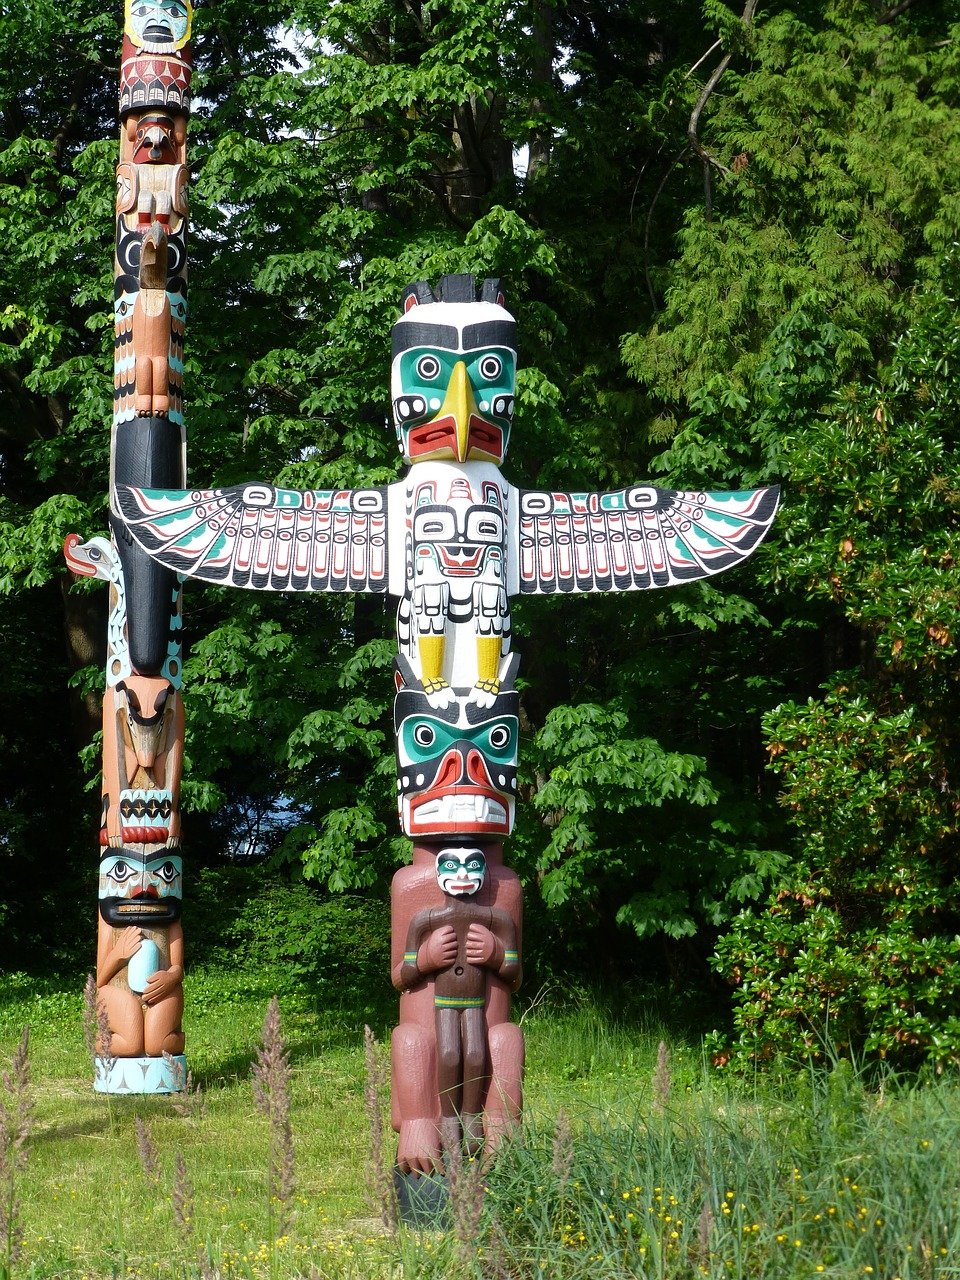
[
  {"x": 439, "y": 693},
  {"x": 418, "y": 1150},
  {"x": 496, "y": 1126}
]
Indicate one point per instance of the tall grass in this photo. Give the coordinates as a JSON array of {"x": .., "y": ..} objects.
[
  {"x": 828, "y": 1178},
  {"x": 623, "y": 1168},
  {"x": 16, "y": 1121}
]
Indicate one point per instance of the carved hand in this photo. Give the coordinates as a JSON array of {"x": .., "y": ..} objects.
[
  {"x": 162, "y": 984},
  {"x": 482, "y": 946},
  {"x": 129, "y": 943},
  {"x": 439, "y": 950}
]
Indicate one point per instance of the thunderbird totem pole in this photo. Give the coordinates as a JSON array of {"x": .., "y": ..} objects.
[
  {"x": 140, "y": 939},
  {"x": 454, "y": 541}
]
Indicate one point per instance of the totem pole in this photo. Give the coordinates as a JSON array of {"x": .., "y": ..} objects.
[
  {"x": 453, "y": 540},
  {"x": 140, "y": 938}
]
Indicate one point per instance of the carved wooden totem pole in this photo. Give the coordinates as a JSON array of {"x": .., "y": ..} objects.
[
  {"x": 140, "y": 939},
  {"x": 453, "y": 540}
]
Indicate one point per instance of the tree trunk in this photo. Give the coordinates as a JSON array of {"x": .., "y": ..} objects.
[{"x": 85, "y": 631}]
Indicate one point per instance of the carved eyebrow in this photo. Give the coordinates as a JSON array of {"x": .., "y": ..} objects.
[
  {"x": 490, "y": 333},
  {"x": 417, "y": 333}
]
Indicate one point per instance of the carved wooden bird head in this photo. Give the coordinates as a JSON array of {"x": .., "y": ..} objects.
[{"x": 454, "y": 372}]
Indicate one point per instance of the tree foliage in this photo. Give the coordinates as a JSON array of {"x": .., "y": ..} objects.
[{"x": 727, "y": 237}]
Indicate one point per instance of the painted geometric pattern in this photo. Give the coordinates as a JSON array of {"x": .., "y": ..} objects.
[
  {"x": 146, "y": 808},
  {"x": 264, "y": 538},
  {"x": 636, "y": 538},
  {"x": 140, "y": 1075}
]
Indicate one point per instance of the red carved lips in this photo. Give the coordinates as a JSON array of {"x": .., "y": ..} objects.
[{"x": 439, "y": 438}]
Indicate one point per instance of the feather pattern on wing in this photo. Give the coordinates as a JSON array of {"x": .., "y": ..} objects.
[
  {"x": 264, "y": 538},
  {"x": 637, "y": 538}
]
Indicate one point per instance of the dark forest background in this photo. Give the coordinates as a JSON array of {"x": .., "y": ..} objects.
[{"x": 729, "y": 238}]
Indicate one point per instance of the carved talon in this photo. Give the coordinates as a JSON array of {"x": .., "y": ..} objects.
[
  {"x": 439, "y": 693},
  {"x": 484, "y": 692}
]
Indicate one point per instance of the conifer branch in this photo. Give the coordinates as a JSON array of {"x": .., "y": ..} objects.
[
  {"x": 895, "y": 12},
  {"x": 709, "y": 160}
]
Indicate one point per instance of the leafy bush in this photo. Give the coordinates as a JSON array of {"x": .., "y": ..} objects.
[
  {"x": 859, "y": 945},
  {"x": 337, "y": 947}
]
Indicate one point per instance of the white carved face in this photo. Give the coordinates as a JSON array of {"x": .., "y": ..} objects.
[{"x": 460, "y": 872}]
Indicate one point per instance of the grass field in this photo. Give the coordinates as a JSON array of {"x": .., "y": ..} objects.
[{"x": 621, "y": 1171}]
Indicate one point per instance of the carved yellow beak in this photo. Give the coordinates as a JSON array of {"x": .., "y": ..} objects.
[{"x": 460, "y": 404}]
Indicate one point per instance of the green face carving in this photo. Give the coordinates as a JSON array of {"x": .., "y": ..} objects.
[
  {"x": 158, "y": 25},
  {"x": 424, "y": 739},
  {"x": 460, "y": 872},
  {"x": 425, "y": 374}
]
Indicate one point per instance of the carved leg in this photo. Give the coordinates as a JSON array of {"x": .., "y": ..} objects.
[
  {"x": 160, "y": 399},
  {"x": 430, "y": 605},
  {"x": 162, "y": 1026},
  {"x": 449, "y": 1061},
  {"x": 492, "y": 618},
  {"x": 414, "y": 1073},
  {"x": 505, "y": 1094},
  {"x": 125, "y": 1016},
  {"x": 474, "y": 1033}
]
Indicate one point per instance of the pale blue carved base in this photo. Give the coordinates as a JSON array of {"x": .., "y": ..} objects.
[{"x": 141, "y": 1075}]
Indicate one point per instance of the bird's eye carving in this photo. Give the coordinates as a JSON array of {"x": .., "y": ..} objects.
[
  {"x": 428, "y": 367},
  {"x": 491, "y": 367}
]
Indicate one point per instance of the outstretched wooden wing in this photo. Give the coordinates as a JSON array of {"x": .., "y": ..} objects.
[
  {"x": 635, "y": 538},
  {"x": 268, "y": 539}
]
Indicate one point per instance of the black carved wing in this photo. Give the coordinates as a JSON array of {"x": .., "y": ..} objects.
[
  {"x": 635, "y": 538},
  {"x": 268, "y": 539}
]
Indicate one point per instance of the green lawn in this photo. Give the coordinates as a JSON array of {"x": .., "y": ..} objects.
[{"x": 804, "y": 1175}]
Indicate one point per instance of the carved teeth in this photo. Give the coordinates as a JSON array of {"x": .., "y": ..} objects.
[{"x": 467, "y": 809}]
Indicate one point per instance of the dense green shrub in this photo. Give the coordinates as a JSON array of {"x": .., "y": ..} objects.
[
  {"x": 333, "y": 947},
  {"x": 859, "y": 941}
]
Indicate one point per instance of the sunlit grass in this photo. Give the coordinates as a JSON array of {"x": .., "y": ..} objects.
[{"x": 792, "y": 1176}]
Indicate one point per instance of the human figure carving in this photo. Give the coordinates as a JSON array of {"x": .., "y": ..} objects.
[
  {"x": 458, "y": 943},
  {"x": 428, "y": 1097},
  {"x": 140, "y": 952},
  {"x": 148, "y": 1021}
]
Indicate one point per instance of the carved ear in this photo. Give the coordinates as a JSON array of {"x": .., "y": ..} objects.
[
  {"x": 404, "y": 675},
  {"x": 491, "y": 292},
  {"x": 415, "y": 295}
]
